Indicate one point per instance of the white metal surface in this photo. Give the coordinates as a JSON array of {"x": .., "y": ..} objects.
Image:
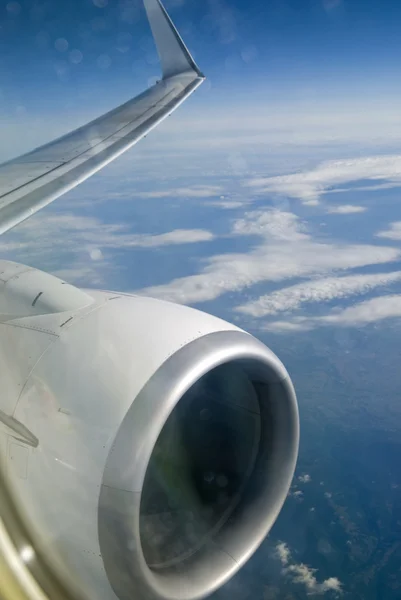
[
  {"x": 25, "y": 291},
  {"x": 75, "y": 386},
  {"x": 74, "y": 400}
]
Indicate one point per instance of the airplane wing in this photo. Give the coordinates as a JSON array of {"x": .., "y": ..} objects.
[{"x": 33, "y": 180}]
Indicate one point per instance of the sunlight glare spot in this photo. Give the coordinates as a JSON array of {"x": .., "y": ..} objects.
[{"x": 27, "y": 553}]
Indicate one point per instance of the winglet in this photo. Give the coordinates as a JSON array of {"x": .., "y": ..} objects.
[{"x": 174, "y": 56}]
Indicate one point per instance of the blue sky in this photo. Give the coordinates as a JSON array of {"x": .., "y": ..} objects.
[{"x": 79, "y": 56}]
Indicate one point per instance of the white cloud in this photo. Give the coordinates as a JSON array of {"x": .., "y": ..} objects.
[
  {"x": 298, "y": 494},
  {"x": 95, "y": 254},
  {"x": 178, "y": 236},
  {"x": 85, "y": 243},
  {"x": 68, "y": 229},
  {"x": 291, "y": 121},
  {"x": 80, "y": 272},
  {"x": 285, "y": 251},
  {"x": 364, "y": 313},
  {"x": 382, "y": 307},
  {"x": 370, "y": 311},
  {"x": 305, "y": 478},
  {"x": 308, "y": 186},
  {"x": 229, "y": 204},
  {"x": 283, "y": 553},
  {"x": 272, "y": 225},
  {"x": 316, "y": 290},
  {"x": 295, "y": 325},
  {"x": 364, "y": 188},
  {"x": 346, "y": 209},
  {"x": 306, "y": 122},
  {"x": 302, "y": 574},
  {"x": 393, "y": 233},
  {"x": 198, "y": 191}
]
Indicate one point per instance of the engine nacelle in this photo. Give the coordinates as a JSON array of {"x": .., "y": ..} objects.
[{"x": 152, "y": 445}]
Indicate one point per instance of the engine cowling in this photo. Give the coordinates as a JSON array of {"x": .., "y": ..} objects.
[{"x": 166, "y": 441}]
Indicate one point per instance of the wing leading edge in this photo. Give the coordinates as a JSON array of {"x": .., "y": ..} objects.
[{"x": 33, "y": 180}]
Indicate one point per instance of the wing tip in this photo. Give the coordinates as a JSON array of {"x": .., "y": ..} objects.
[{"x": 175, "y": 57}]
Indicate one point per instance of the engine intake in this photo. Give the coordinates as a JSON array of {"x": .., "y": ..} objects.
[{"x": 199, "y": 469}]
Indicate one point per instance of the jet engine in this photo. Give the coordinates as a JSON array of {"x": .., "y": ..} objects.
[{"x": 150, "y": 444}]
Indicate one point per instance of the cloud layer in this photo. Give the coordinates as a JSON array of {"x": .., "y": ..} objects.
[
  {"x": 363, "y": 313},
  {"x": 303, "y": 574},
  {"x": 393, "y": 232},
  {"x": 285, "y": 250},
  {"x": 281, "y": 247},
  {"x": 309, "y": 186},
  {"x": 346, "y": 209},
  {"x": 316, "y": 290},
  {"x": 87, "y": 241},
  {"x": 283, "y": 553},
  {"x": 197, "y": 191}
]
